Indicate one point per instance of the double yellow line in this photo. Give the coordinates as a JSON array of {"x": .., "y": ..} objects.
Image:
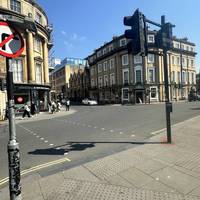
[{"x": 36, "y": 168}]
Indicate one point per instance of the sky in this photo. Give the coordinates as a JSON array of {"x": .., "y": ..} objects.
[{"x": 81, "y": 26}]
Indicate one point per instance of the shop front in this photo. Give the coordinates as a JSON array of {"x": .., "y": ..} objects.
[{"x": 29, "y": 93}]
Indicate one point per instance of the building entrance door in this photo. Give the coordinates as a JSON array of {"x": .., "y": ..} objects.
[{"x": 139, "y": 96}]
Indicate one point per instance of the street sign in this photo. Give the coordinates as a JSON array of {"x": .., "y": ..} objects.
[{"x": 11, "y": 41}]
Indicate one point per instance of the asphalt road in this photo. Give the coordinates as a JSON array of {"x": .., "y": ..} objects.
[{"x": 90, "y": 133}]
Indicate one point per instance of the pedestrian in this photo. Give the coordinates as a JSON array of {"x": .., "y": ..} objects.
[
  {"x": 67, "y": 104},
  {"x": 53, "y": 107},
  {"x": 58, "y": 106},
  {"x": 26, "y": 111},
  {"x": 50, "y": 105},
  {"x": 33, "y": 108}
]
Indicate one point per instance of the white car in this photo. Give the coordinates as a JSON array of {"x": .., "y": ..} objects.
[{"x": 89, "y": 102}]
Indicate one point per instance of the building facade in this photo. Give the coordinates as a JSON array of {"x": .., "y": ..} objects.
[
  {"x": 31, "y": 69},
  {"x": 60, "y": 77},
  {"x": 118, "y": 76},
  {"x": 79, "y": 85}
]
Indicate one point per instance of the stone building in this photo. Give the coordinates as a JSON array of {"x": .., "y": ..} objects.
[
  {"x": 79, "y": 84},
  {"x": 30, "y": 70},
  {"x": 60, "y": 77},
  {"x": 118, "y": 76}
]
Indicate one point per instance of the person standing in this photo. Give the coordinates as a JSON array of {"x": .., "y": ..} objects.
[
  {"x": 67, "y": 104},
  {"x": 50, "y": 106},
  {"x": 26, "y": 111}
]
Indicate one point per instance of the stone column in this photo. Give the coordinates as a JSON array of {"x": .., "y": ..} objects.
[
  {"x": 30, "y": 58},
  {"x": 45, "y": 62}
]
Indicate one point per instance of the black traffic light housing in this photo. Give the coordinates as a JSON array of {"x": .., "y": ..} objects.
[
  {"x": 137, "y": 33},
  {"x": 164, "y": 37}
]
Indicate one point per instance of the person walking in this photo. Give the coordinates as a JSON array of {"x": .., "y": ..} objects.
[
  {"x": 26, "y": 111},
  {"x": 33, "y": 108},
  {"x": 67, "y": 104}
]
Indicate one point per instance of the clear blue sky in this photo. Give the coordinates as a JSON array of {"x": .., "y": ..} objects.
[{"x": 80, "y": 26}]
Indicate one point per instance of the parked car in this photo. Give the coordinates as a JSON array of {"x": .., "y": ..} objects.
[{"x": 89, "y": 101}]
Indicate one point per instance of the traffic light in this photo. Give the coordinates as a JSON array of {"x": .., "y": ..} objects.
[
  {"x": 164, "y": 37},
  {"x": 137, "y": 33}
]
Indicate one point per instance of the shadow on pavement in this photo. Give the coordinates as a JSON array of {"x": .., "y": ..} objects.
[
  {"x": 80, "y": 146},
  {"x": 60, "y": 150}
]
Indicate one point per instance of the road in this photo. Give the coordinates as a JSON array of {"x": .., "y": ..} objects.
[{"x": 90, "y": 133}]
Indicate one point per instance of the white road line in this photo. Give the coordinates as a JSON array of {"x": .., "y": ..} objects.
[
  {"x": 42, "y": 138},
  {"x": 51, "y": 144},
  {"x": 121, "y": 133},
  {"x": 46, "y": 141},
  {"x": 111, "y": 131},
  {"x": 37, "y": 136},
  {"x": 95, "y": 127},
  {"x": 133, "y": 135},
  {"x": 102, "y": 129}
]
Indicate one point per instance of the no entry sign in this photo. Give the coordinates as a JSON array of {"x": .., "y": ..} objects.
[{"x": 11, "y": 41}]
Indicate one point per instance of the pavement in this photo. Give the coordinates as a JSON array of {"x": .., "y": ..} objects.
[{"x": 153, "y": 170}]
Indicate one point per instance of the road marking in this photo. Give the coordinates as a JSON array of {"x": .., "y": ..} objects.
[
  {"x": 37, "y": 136},
  {"x": 42, "y": 138},
  {"x": 133, "y": 135},
  {"x": 120, "y": 133},
  {"x": 65, "y": 153},
  {"x": 102, "y": 129},
  {"x": 111, "y": 131},
  {"x": 89, "y": 126},
  {"x": 95, "y": 127},
  {"x": 38, "y": 167},
  {"x": 156, "y": 132},
  {"x": 51, "y": 144},
  {"x": 46, "y": 141},
  {"x": 58, "y": 148}
]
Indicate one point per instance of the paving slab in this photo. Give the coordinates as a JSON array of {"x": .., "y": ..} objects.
[
  {"x": 95, "y": 191},
  {"x": 181, "y": 182},
  {"x": 136, "y": 177},
  {"x": 80, "y": 173}
]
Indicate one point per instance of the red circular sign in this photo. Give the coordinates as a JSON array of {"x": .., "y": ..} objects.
[
  {"x": 11, "y": 41},
  {"x": 19, "y": 99}
]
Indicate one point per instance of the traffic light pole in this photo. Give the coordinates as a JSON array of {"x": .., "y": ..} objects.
[
  {"x": 168, "y": 105},
  {"x": 13, "y": 145}
]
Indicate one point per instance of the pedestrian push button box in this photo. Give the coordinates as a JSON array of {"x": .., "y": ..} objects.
[{"x": 169, "y": 107}]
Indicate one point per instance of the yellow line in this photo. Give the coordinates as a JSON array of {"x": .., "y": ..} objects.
[{"x": 36, "y": 168}]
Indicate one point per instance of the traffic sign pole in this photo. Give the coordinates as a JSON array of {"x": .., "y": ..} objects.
[
  {"x": 13, "y": 145},
  {"x": 11, "y": 46}
]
